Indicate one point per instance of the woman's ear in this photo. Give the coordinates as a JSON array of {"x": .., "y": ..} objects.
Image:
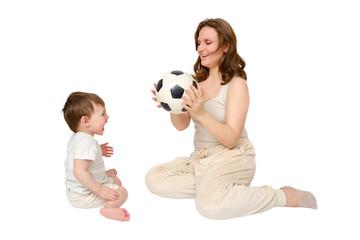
[{"x": 226, "y": 47}]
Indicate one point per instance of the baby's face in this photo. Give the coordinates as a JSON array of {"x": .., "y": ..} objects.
[{"x": 98, "y": 120}]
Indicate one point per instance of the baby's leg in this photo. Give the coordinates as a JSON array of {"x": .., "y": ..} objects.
[
  {"x": 112, "y": 210},
  {"x": 111, "y": 171},
  {"x": 119, "y": 214},
  {"x": 116, "y": 180},
  {"x": 123, "y": 195}
]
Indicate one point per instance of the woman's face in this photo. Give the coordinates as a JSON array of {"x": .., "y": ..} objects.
[{"x": 208, "y": 47}]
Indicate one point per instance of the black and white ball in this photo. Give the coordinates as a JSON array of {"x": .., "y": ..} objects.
[{"x": 170, "y": 89}]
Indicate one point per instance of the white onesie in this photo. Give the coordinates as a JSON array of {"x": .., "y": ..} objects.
[{"x": 84, "y": 146}]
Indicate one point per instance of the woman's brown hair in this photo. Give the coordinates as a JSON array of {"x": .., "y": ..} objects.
[{"x": 231, "y": 64}]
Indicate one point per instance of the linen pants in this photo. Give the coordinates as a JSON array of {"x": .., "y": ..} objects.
[{"x": 218, "y": 178}]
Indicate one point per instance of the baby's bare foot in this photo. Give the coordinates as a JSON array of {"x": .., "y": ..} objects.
[
  {"x": 299, "y": 198},
  {"x": 119, "y": 214},
  {"x": 127, "y": 215}
]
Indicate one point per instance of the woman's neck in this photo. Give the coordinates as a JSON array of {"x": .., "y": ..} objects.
[{"x": 214, "y": 75}]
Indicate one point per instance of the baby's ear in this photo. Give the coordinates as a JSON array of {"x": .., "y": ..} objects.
[{"x": 85, "y": 121}]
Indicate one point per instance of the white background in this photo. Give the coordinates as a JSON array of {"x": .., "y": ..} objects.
[{"x": 302, "y": 64}]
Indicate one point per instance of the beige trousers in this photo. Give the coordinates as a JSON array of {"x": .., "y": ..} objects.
[{"x": 218, "y": 178}]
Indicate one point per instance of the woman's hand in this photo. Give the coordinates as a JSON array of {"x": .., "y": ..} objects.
[
  {"x": 154, "y": 98},
  {"x": 106, "y": 150},
  {"x": 195, "y": 105}
]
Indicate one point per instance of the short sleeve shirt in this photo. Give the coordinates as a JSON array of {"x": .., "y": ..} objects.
[{"x": 85, "y": 147}]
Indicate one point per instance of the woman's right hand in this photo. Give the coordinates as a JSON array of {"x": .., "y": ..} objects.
[{"x": 154, "y": 98}]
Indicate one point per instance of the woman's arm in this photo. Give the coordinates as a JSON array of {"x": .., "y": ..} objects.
[
  {"x": 180, "y": 121},
  {"x": 237, "y": 106}
]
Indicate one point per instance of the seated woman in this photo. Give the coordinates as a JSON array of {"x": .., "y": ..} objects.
[{"x": 219, "y": 172}]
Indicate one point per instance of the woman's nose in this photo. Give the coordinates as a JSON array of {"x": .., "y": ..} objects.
[{"x": 200, "y": 47}]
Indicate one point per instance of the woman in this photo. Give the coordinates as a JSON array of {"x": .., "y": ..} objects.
[{"x": 219, "y": 172}]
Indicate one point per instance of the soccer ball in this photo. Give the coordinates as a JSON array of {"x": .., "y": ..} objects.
[{"x": 170, "y": 89}]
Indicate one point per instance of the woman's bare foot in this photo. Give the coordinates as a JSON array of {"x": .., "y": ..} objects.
[
  {"x": 119, "y": 214},
  {"x": 299, "y": 198}
]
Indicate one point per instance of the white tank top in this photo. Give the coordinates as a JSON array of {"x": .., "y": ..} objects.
[{"x": 216, "y": 107}]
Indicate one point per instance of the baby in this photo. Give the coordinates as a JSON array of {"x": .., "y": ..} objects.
[{"x": 88, "y": 185}]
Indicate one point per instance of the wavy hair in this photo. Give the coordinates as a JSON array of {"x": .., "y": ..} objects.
[{"x": 231, "y": 64}]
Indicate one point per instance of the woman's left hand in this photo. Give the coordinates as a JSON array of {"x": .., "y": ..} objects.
[{"x": 195, "y": 105}]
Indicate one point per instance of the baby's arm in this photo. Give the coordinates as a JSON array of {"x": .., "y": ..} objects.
[{"x": 83, "y": 176}]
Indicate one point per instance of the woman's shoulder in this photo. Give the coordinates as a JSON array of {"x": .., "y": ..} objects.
[
  {"x": 237, "y": 81},
  {"x": 237, "y": 84}
]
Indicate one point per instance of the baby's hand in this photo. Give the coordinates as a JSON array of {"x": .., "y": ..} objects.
[
  {"x": 107, "y": 151},
  {"x": 108, "y": 193}
]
